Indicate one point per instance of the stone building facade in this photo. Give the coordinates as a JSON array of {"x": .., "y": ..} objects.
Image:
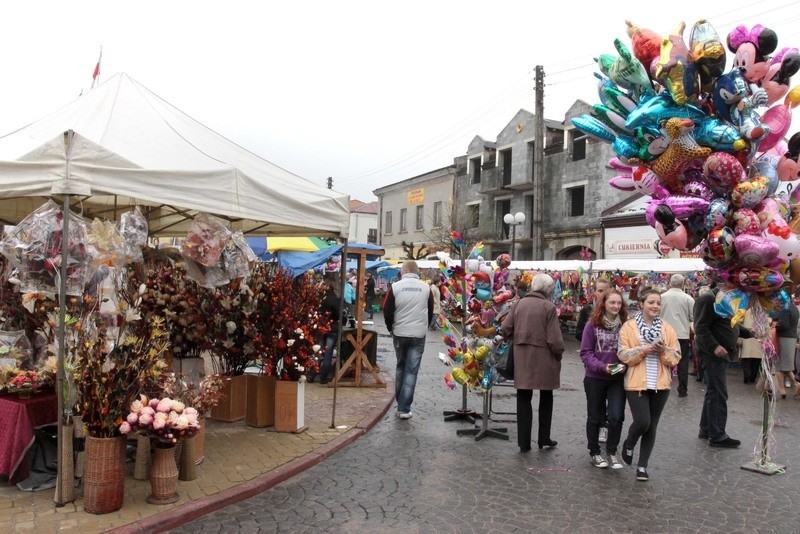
[{"x": 496, "y": 178}]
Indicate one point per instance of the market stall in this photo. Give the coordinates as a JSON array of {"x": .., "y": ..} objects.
[{"x": 121, "y": 145}]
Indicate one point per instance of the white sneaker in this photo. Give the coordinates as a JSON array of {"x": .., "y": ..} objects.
[
  {"x": 598, "y": 461},
  {"x": 615, "y": 462},
  {"x": 603, "y": 435},
  {"x": 404, "y": 415}
]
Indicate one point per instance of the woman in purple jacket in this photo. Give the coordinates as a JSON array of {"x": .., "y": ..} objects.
[{"x": 603, "y": 382}]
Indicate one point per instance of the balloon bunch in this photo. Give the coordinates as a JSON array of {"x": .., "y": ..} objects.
[
  {"x": 707, "y": 146},
  {"x": 472, "y": 354}
]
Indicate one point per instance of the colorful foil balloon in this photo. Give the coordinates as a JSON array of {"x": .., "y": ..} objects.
[{"x": 731, "y": 302}]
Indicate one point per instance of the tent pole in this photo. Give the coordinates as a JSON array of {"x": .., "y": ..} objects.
[
  {"x": 342, "y": 272},
  {"x": 62, "y": 335}
]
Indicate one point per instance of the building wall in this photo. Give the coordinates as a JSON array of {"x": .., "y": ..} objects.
[
  {"x": 360, "y": 225},
  {"x": 424, "y": 190}
]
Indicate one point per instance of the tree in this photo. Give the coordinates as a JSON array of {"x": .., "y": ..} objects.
[
  {"x": 462, "y": 219},
  {"x": 419, "y": 254}
]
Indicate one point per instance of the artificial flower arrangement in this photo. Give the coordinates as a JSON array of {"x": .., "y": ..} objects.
[
  {"x": 289, "y": 321},
  {"x": 169, "y": 293},
  {"x": 115, "y": 355},
  {"x": 166, "y": 420},
  {"x": 202, "y": 396},
  {"x": 234, "y": 326},
  {"x": 15, "y": 379}
]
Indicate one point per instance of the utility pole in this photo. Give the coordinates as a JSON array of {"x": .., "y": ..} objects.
[{"x": 538, "y": 165}]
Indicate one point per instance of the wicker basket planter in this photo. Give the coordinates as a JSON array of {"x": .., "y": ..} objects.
[
  {"x": 104, "y": 475},
  {"x": 163, "y": 476}
]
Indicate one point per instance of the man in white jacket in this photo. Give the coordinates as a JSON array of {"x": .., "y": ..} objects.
[
  {"x": 677, "y": 309},
  {"x": 408, "y": 310}
]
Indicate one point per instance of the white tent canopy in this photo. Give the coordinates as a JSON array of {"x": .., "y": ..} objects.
[
  {"x": 665, "y": 265},
  {"x": 121, "y": 144}
]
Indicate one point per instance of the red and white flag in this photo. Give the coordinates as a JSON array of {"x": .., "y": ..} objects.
[{"x": 96, "y": 73}]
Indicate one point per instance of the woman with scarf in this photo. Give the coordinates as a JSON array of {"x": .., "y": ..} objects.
[
  {"x": 605, "y": 393},
  {"x": 650, "y": 349}
]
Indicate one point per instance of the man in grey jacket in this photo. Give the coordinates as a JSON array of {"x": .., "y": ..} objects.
[{"x": 407, "y": 302}]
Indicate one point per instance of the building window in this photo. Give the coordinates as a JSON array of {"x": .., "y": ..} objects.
[
  {"x": 388, "y": 224},
  {"x": 475, "y": 169},
  {"x": 420, "y": 213},
  {"x": 578, "y": 146},
  {"x": 473, "y": 215},
  {"x": 576, "y": 201},
  {"x": 505, "y": 157},
  {"x": 501, "y": 208},
  {"x": 403, "y": 220},
  {"x": 372, "y": 235},
  {"x": 437, "y": 214}
]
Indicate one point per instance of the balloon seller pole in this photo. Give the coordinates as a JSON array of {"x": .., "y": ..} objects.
[
  {"x": 464, "y": 412},
  {"x": 761, "y": 462}
]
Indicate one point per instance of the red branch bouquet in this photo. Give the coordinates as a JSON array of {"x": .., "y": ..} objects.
[{"x": 290, "y": 323}]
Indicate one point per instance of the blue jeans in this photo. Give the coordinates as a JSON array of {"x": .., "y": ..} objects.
[
  {"x": 715, "y": 404},
  {"x": 598, "y": 393},
  {"x": 409, "y": 356},
  {"x": 329, "y": 342}
]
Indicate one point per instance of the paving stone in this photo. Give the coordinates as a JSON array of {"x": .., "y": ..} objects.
[{"x": 418, "y": 475}]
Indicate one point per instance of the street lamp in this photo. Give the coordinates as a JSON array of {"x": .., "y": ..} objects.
[{"x": 514, "y": 220}]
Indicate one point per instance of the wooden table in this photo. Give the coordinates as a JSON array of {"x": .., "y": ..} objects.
[{"x": 18, "y": 420}]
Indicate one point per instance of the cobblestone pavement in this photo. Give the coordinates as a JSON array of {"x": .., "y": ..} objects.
[{"x": 419, "y": 476}]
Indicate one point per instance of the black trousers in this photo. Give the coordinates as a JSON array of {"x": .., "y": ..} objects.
[
  {"x": 525, "y": 416},
  {"x": 683, "y": 365},
  {"x": 750, "y": 369}
]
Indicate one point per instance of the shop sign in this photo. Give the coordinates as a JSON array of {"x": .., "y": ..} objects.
[
  {"x": 639, "y": 246},
  {"x": 416, "y": 196}
]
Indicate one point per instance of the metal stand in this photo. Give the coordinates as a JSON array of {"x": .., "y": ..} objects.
[
  {"x": 762, "y": 464},
  {"x": 484, "y": 430},
  {"x": 463, "y": 413},
  {"x": 492, "y": 413}
]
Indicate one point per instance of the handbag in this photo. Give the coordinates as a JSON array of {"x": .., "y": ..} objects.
[{"x": 504, "y": 363}]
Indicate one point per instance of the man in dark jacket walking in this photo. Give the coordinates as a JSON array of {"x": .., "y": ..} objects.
[{"x": 716, "y": 343}]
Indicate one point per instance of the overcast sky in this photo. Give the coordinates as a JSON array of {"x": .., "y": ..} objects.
[{"x": 368, "y": 92}]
